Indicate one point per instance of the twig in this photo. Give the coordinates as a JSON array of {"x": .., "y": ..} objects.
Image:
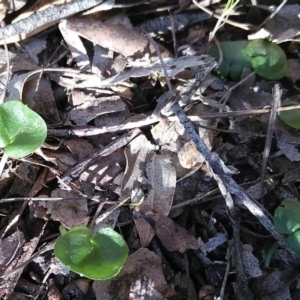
[
  {"x": 161, "y": 60},
  {"x": 3, "y": 162},
  {"x": 48, "y": 16},
  {"x": 276, "y": 103},
  {"x": 7, "y": 74},
  {"x": 273, "y": 13},
  {"x": 227, "y": 10},
  {"x": 217, "y": 16},
  {"x": 222, "y": 292},
  {"x": 217, "y": 168}
]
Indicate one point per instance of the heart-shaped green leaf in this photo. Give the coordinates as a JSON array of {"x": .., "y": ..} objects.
[
  {"x": 290, "y": 117},
  {"x": 22, "y": 131},
  {"x": 99, "y": 256},
  {"x": 286, "y": 218},
  {"x": 293, "y": 241},
  {"x": 267, "y": 59}
]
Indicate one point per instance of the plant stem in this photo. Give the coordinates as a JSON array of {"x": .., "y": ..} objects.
[
  {"x": 3, "y": 162},
  {"x": 270, "y": 253}
]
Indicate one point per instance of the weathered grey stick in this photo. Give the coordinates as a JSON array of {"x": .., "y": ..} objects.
[
  {"x": 110, "y": 148},
  {"x": 49, "y": 15},
  {"x": 218, "y": 167}
]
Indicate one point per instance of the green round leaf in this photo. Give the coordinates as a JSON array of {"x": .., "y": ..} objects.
[
  {"x": 286, "y": 218},
  {"x": 22, "y": 131},
  {"x": 294, "y": 241},
  {"x": 290, "y": 117},
  {"x": 234, "y": 59},
  {"x": 267, "y": 59},
  {"x": 100, "y": 256}
]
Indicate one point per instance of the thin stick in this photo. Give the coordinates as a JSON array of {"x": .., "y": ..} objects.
[
  {"x": 161, "y": 61},
  {"x": 7, "y": 73},
  {"x": 3, "y": 162},
  {"x": 217, "y": 16},
  {"x": 276, "y": 103},
  {"x": 273, "y": 13}
]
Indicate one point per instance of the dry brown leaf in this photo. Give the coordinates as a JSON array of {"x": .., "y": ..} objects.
[
  {"x": 76, "y": 47},
  {"x": 162, "y": 176},
  {"x": 16, "y": 62},
  {"x": 63, "y": 160},
  {"x": 145, "y": 230},
  {"x": 70, "y": 213},
  {"x": 120, "y": 39},
  {"x": 189, "y": 156},
  {"x": 173, "y": 236},
  {"x": 285, "y": 25},
  {"x": 95, "y": 106},
  {"x": 139, "y": 264},
  {"x": 102, "y": 61},
  {"x": 81, "y": 147},
  {"x": 10, "y": 248},
  {"x": 138, "y": 153},
  {"x": 102, "y": 172},
  {"x": 38, "y": 95}
]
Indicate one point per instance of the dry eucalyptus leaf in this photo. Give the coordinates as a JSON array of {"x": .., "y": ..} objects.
[
  {"x": 138, "y": 153},
  {"x": 120, "y": 39},
  {"x": 285, "y": 25},
  {"x": 63, "y": 160},
  {"x": 81, "y": 147},
  {"x": 70, "y": 213},
  {"x": 189, "y": 156},
  {"x": 102, "y": 61},
  {"x": 168, "y": 135},
  {"x": 76, "y": 47},
  {"x": 102, "y": 172},
  {"x": 113, "y": 120},
  {"x": 10, "y": 248},
  {"x": 16, "y": 63},
  {"x": 144, "y": 229},
  {"x": 162, "y": 176},
  {"x": 15, "y": 86},
  {"x": 31, "y": 48},
  {"x": 141, "y": 263},
  {"x": 93, "y": 107},
  {"x": 38, "y": 95},
  {"x": 173, "y": 236}
]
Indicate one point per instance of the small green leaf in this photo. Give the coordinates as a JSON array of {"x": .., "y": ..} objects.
[
  {"x": 286, "y": 218},
  {"x": 294, "y": 241},
  {"x": 100, "y": 256},
  {"x": 290, "y": 117},
  {"x": 22, "y": 131},
  {"x": 267, "y": 59}
]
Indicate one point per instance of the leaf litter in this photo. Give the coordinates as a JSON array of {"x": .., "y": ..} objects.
[{"x": 116, "y": 154}]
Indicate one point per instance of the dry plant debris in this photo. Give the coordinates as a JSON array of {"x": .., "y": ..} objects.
[{"x": 145, "y": 139}]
